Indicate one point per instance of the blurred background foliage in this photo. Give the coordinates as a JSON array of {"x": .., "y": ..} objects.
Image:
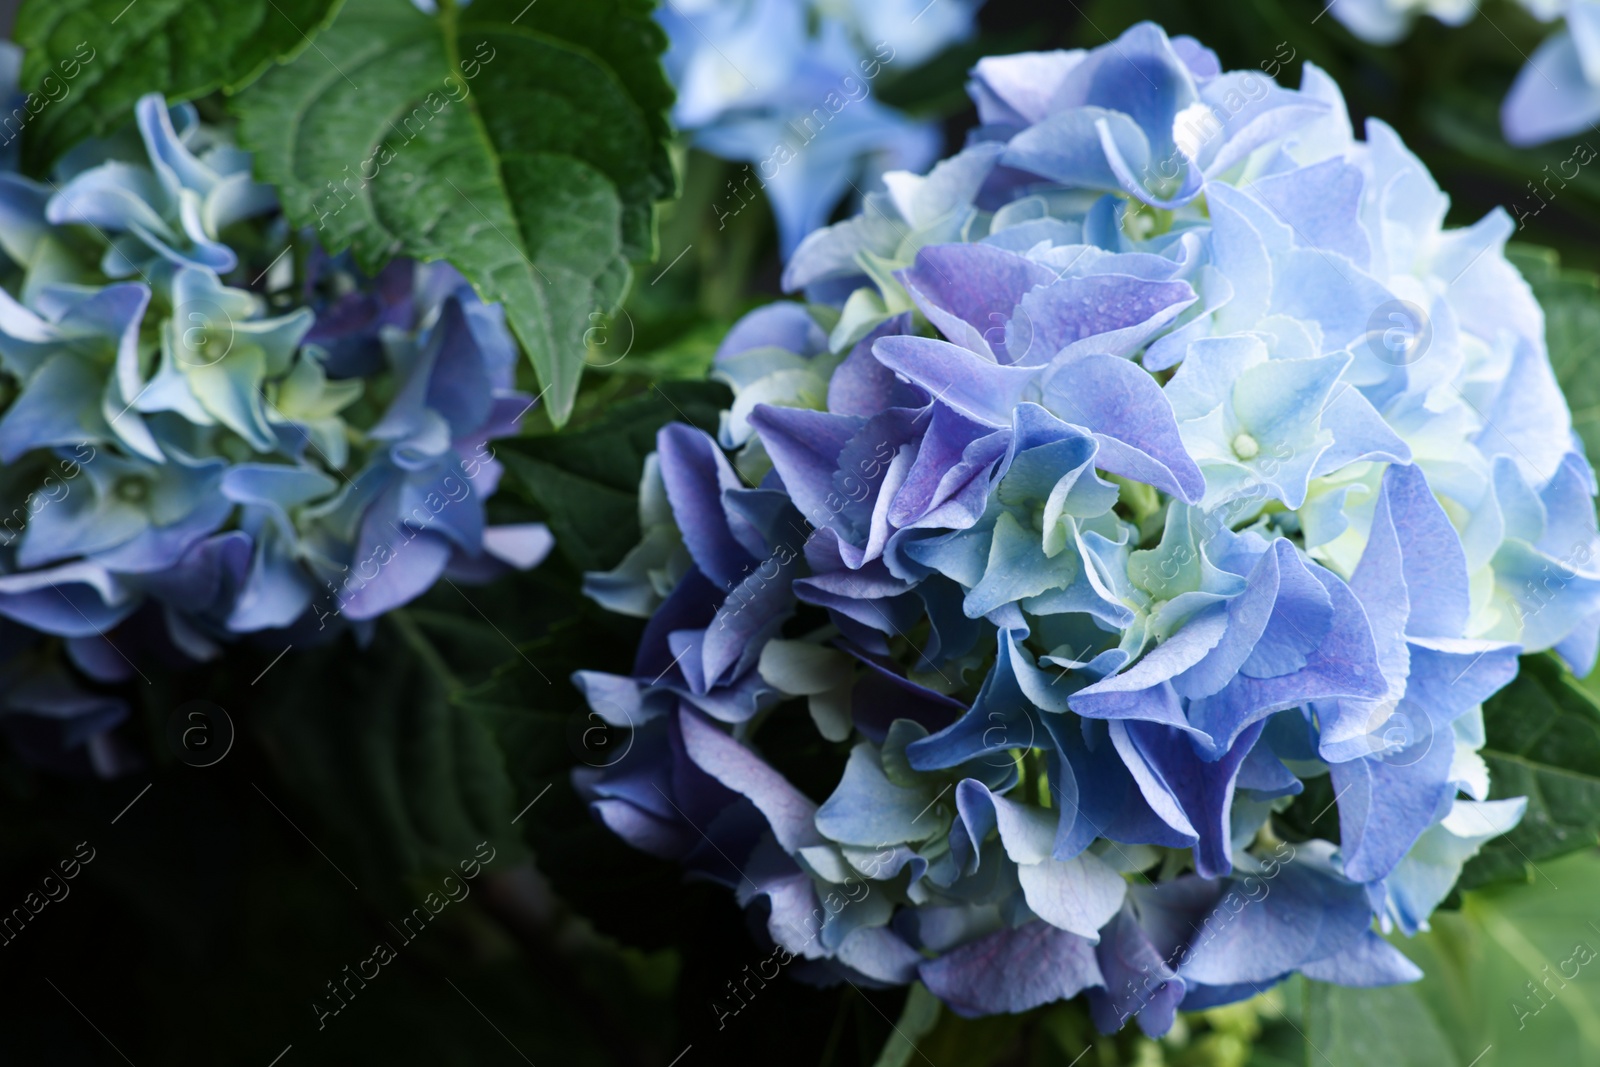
[{"x": 224, "y": 903}]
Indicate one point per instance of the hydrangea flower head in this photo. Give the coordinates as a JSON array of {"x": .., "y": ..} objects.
[
  {"x": 787, "y": 86},
  {"x": 202, "y": 443},
  {"x": 1557, "y": 91},
  {"x": 1150, "y": 477}
]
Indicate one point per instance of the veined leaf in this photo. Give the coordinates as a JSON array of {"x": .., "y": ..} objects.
[
  {"x": 1543, "y": 743},
  {"x": 1511, "y": 978},
  {"x": 108, "y": 53},
  {"x": 1389, "y": 1025},
  {"x": 381, "y": 747},
  {"x": 522, "y": 142}
]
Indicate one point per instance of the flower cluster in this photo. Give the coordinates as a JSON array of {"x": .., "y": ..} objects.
[
  {"x": 1116, "y": 554},
  {"x": 1557, "y": 92},
  {"x": 786, "y": 87},
  {"x": 208, "y": 432}
]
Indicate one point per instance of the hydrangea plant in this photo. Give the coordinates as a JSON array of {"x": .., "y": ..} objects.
[
  {"x": 1557, "y": 92},
  {"x": 211, "y": 429},
  {"x": 1094, "y": 585},
  {"x": 787, "y": 87}
]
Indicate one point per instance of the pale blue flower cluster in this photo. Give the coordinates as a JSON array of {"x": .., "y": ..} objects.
[
  {"x": 1154, "y": 478},
  {"x": 786, "y": 86},
  {"x": 1557, "y": 92},
  {"x": 208, "y": 431}
]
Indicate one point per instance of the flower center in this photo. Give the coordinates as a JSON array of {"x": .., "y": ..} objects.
[
  {"x": 1245, "y": 447},
  {"x": 131, "y": 489}
]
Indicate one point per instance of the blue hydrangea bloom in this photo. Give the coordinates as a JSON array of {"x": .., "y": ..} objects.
[
  {"x": 170, "y": 208},
  {"x": 786, "y": 86},
  {"x": 1388, "y": 21},
  {"x": 1155, "y": 461},
  {"x": 200, "y": 445},
  {"x": 1557, "y": 91}
]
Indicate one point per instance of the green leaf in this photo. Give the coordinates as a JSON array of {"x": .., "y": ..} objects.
[
  {"x": 687, "y": 357},
  {"x": 182, "y": 48},
  {"x": 1543, "y": 743},
  {"x": 1571, "y": 302},
  {"x": 524, "y": 143},
  {"x": 1513, "y": 977},
  {"x": 585, "y": 483},
  {"x": 380, "y": 744},
  {"x": 1479, "y": 963},
  {"x": 1361, "y": 1026}
]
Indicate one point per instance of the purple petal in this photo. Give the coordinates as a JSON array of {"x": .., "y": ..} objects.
[
  {"x": 522, "y": 545},
  {"x": 1384, "y": 807},
  {"x": 786, "y": 325},
  {"x": 970, "y": 291},
  {"x": 1114, "y": 314},
  {"x": 791, "y": 815},
  {"x": 987, "y": 976},
  {"x": 1371, "y": 961},
  {"x": 972, "y": 384},
  {"x": 1125, "y": 409},
  {"x": 863, "y": 387},
  {"x": 1267, "y": 928},
  {"x": 696, "y": 474},
  {"x": 1138, "y": 981}
]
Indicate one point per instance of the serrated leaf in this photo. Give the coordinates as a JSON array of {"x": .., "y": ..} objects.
[
  {"x": 500, "y": 137},
  {"x": 183, "y": 48},
  {"x": 1543, "y": 735},
  {"x": 625, "y": 35}
]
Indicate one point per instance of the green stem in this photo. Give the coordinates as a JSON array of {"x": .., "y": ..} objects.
[{"x": 452, "y": 41}]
